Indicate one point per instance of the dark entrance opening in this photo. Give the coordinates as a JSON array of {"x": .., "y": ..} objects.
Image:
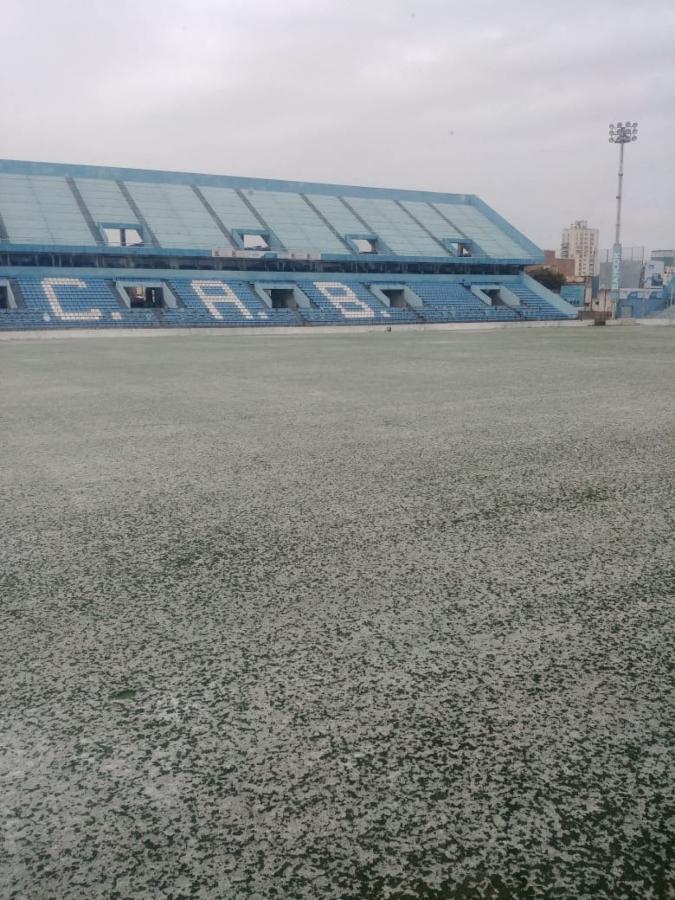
[
  {"x": 282, "y": 298},
  {"x": 495, "y": 296},
  {"x": 144, "y": 297},
  {"x": 396, "y": 297},
  {"x": 4, "y": 296}
]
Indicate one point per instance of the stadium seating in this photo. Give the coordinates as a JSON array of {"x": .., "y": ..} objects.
[
  {"x": 81, "y": 206},
  {"x": 446, "y": 301},
  {"x": 21, "y": 320},
  {"x": 212, "y": 301},
  {"x": 89, "y": 301},
  {"x": 532, "y": 306},
  {"x": 71, "y": 235},
  {"x": 67, "y": 302},
  {"x": 340, "y": 303}
]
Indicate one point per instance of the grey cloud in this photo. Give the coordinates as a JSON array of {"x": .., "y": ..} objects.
[{"x": 509, "y": 100}]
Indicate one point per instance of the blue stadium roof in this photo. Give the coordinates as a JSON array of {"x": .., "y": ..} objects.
[{"x": 52, "y": 205}]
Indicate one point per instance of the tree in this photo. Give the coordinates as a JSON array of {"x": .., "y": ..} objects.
[{"x": 550, "y": 278}]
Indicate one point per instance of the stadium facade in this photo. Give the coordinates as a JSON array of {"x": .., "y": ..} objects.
[{"x": 83, "y": 246}]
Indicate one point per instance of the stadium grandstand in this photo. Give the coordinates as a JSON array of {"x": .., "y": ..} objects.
[{"x": 83, "y": 246}]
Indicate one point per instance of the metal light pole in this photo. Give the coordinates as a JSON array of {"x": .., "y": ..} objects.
[{"x": 622, "y": 133}]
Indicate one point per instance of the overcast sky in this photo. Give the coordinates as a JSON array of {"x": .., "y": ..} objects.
[{"x": 507, "y": 99}]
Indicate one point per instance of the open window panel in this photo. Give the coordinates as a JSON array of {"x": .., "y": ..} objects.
[
  {"x": 6, "y": 296},
  {"x": 146, "y": 295},
  {"x": 460, "y": 247},
  {"x": 119, "y": 234},
  {"x": 396, "y": 296},
  {"x": 495, "y": 295},
  {"x": 281, "y": 295},
  {"x": 253, "y": 239},
  {"x": 364, "y": 244}
]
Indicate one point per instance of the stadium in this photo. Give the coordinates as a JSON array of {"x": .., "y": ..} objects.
[
  {"x": 292, "y": 610},
  {"x": 85, "y": 246}
]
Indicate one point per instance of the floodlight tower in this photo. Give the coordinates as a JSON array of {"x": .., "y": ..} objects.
[{"x": 622, "y": 133}]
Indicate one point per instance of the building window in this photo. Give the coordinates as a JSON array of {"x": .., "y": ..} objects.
[{"x": 121, "y": 235}]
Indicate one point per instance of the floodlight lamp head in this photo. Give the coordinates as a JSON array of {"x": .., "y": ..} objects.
[{"x": 623, "y": 132}]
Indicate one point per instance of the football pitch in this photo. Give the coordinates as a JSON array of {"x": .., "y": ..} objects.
[{"x": 381, "y": 615}]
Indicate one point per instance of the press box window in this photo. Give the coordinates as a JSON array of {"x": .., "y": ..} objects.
[
  {"x": 365, "y": 245},
  {"x": 122, "y": 235},
  {"x": 460, "y": 248},
  {"x": 252, "y": 240},
  {"x": 255, "y": 242}
]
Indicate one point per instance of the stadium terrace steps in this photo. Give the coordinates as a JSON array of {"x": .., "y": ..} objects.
[
  {"x": 58, "y": 205},
  {"x": 216, "y": 301},
  {"x": 452, "y": 302},
  {"x": 67, "y": 301},
  {"x": 532, "y": 305},
  {"x": 340, "y": 303}
]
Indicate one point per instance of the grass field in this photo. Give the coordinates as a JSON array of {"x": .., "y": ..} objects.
[{"x": 351, "y": 616}]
